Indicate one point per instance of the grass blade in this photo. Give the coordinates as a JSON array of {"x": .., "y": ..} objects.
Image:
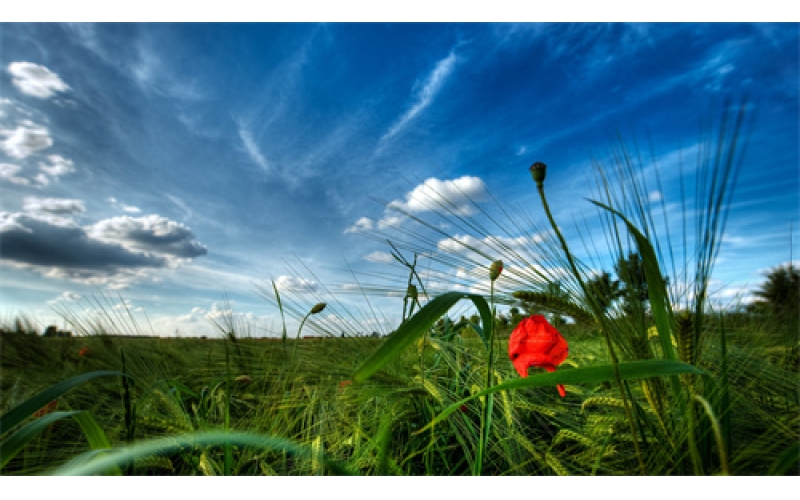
[
  {"x": 656, "y": 287},
  {"x": 586, "y": 375},
  {"x": 91, "y": 429},
  {"x": 414, "y": 328},
  {"x": 122, "y": 456},
  {"x": 27, "y": 408},
  {"x": 11, "y": 446}
]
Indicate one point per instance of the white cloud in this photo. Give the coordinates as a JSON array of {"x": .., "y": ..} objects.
[
  {"x": 362, "y": 224},
  {"x": 455, "y": 196},
  {"x": 122, "y": 206},
  {"x": 59, "y": 206},
  {"x": 25, "y": 140},
  {"x": 55, "y": 211},
  {"x": 295, "y": 284},
  {"x": 151, "y": 233},
  {"x": 9, "y": 172},
  {"x": 252, "y": 148},
  {"x": 433, "y": 84},
  {"x": 114, "y": 252},
  {"x": 389, "y": 221},
  {"x": 58, "y": 166},
  {"x": 449, "y": 195},
  {"x": 381, "y": 257},
  {"x": 36, "y": 80},
  {"x": 66, "y": 297}
]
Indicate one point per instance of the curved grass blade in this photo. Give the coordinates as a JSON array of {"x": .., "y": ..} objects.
[
  {"x": 91, "y": 429},
  {"x": 121, "y": 456},
  {"x": 788, "y": 462},
  {"x": 27, "y": 408},
  {"x": 415, "y": 327},
  {"x": 19, "y": 439},
  {"x": 586, "y": 375},
  {"x": 656, "y": 287}
]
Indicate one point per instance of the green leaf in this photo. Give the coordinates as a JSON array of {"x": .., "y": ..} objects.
[
  {"x": 415, "y": 327},
  {"x": 586, "y": 375},
  {"x": 11, "y": 446},
  {"x": 125, "y": 455},
  {"x": 787, "y": 462},
  {"x": 27, "y": 408},
  {"x": 656, "y": 287},
  {"x": 94, "y": 434}
]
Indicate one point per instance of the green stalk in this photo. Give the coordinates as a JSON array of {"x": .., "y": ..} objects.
[
  {"x": 721, "y": 448},
  {"x": 538, "y": 170},
  {"x": 227, "y": 418},
  {"x": 280, "y": 308},
  {"x": 486, "y": 415},
  {"x": 314, "y": 310},
  {"x": 130, "y": 411}
]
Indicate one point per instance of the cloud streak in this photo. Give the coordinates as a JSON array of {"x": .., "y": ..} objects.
[{"x": 423, "y": 99}]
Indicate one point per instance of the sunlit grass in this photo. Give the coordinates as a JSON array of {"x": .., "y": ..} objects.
[{"x": 659, "y": 381}]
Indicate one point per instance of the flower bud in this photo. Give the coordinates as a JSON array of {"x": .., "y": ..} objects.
[
  {"x": 318, "y": 308},
  {"x": 538, "y": 172},
  {"x": 495, "y": 269},
  {"x": 412, "y": 293}
]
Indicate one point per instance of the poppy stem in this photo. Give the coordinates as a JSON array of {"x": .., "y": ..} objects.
[
  {"x": 486, "y": 415},
  {"x": 538, "y": 170}
]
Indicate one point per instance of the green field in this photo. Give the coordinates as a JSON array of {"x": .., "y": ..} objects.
[
  {"x": 660, "y": 379},
  {"x": 299, "y": 392}
]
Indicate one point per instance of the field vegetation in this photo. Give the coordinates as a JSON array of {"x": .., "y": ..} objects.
[{"x": 660, "y": 379}]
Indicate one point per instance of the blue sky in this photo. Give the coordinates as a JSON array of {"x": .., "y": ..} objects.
[{"x": 179, "y": 168}]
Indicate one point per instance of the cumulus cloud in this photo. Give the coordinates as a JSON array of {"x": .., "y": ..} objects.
[
  {"x": 57, "y": 166},
  {"x": 362, "y": 224},
  {"x": 443, "y": 195},
  {"x": 113, "y": 252},
  {"x": 295, "y": 284},
  {"x": 9, "y": 173},
  {"x": 455, "y": 196},
  {"x": 151, "y": 233},
  {"x": 25, "y": 140},
  {"x": 36, "y": 80},
  {"x": 58, "y": 206},
  {"x": 55, "y": 211},
  {"x": 475, "y": 249},
  {"x": 121, "y": 206},
  {"x": 381, "y": 257},
  {"x": 66, "y": 297}
]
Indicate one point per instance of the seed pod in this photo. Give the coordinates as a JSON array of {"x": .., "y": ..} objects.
[
  {"x": 495, "y": 269},
  {"x": 538, "y": 172}
]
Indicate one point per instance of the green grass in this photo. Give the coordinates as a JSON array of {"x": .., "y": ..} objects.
[
  {"x": 659, "y": 380},
  {"x": 379, "y": 426}
]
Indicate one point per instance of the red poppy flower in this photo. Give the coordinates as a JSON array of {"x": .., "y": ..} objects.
[
  {"x": 83, "y": 352},
  {"x": 535, "y": 342},
  {"x": 48, "y": 408}
]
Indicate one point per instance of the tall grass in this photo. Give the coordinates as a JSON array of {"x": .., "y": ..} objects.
[{"x": 671, "y": 384}]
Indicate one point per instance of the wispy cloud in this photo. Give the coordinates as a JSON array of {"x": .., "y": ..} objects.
[
  {"x": 433, "y": 84},
  {"x": 251, "y": 148}
]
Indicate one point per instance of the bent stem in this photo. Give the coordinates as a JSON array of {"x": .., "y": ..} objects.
[
  {"x": 600, "y": 318},
  {"x": 486, "y": 415}
]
